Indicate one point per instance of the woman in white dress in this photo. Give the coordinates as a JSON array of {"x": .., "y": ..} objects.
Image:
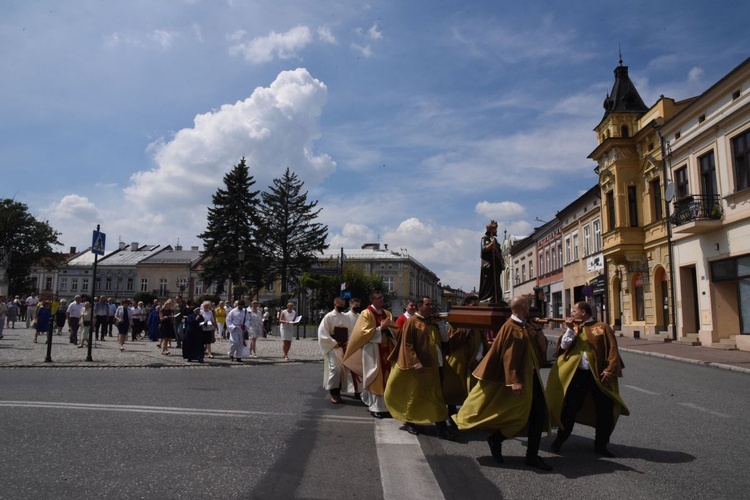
[{"x": 286, "y": 321}]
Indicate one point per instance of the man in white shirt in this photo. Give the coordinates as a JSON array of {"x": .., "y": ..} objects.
[
  {"x": 74, "y": 318},
  {"x": 238, "y": 323},
  {"x": 31, "y": 302}
]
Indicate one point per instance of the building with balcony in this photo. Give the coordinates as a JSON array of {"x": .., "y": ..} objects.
[
  {"x": 708, "y": 143},
  {"x": 635, "y": 239}
]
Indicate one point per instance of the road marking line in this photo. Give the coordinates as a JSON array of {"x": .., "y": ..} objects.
[
  {"x": 700, "y": 408},
  {"x": 640, "y": 390},
  {"x": 404, "y": 471},
  {"x": 169, "y": 410}
]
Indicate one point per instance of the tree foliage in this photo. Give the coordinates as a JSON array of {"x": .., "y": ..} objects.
[
  {"x": 27, "y": 241},
  {"x": 359, "y": 283},
  {"x": 291, "y": 238},
  {"x": 233, "y": 224}
]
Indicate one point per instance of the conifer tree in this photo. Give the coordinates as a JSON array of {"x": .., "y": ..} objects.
[
  {"x": 233, "y": 225},
  {"x": 291, "y": 238}
]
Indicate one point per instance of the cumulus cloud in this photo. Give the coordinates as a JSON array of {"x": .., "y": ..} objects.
[
  {"x": 274, "y": 45},
  {"x": 274, "y": 128},
  {"x": 695, "y": 74},
  {"x": 500, "y": 210},
  {"x": 352, "y": 235},
  {"x": 74, "y": 208}
]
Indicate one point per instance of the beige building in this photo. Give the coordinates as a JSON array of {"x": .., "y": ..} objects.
[
  {"x": 635, "y": 239},
  {"x": 709, "y": 161},
  {"x": 523, "y": 259},
  {"x": 583, "y": 262}
]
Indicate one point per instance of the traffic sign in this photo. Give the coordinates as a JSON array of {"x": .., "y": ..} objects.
[
  {"x": 330, "y": 271},
  {"x": 98, "y": 243},
  {"x": 346, "y": 295}
]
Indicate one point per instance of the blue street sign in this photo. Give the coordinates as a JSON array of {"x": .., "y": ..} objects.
[
  {"x": 347, "y": 294},
  {"x": 98, "y": 243}
]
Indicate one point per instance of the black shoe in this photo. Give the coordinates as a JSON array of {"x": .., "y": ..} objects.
[
  {"x": 537, "y": 463},
  {"x": 557, "y": 445},
  {"x": 411, "y": 429},
  {"x": 239, "y": 360},
  {"x": 603, "y": 451},
  {"x": 496, "y": 447},
  {"x": 447, "y": 432}
]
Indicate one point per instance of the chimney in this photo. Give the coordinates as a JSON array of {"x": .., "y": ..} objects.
[
  {"x": 178, "y": 248},
  {"x": 122, "y": 245},
  {"x": 195, "y": 248},
  {"x": 134, "y": 246},
  {"x": 73, "y": 250}
]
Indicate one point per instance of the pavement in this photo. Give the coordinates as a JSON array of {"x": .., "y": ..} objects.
[{"x": 17, "y": 350}]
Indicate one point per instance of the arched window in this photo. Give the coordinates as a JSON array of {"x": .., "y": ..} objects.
[{"x": 624, "y": 131}]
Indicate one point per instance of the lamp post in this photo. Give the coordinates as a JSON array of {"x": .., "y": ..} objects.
[{"x": 180, "y": 284}]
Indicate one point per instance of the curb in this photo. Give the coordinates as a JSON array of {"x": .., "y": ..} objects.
[{"x": 688, "y": 360}]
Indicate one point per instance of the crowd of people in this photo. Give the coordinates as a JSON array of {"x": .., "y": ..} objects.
[
  {"x": 421, "y": 371},
  {"x": 192, "y": 327}
]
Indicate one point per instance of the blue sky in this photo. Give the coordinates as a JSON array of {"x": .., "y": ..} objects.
[{"x": 412, "y": 122}]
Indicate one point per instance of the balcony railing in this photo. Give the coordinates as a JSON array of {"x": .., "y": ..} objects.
[{"x": 696, "y": 207}]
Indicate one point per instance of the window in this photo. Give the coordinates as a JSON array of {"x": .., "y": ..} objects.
[
  {"x": 144, "y": 284},
  {"x": 575, "y": 246},
  {"x": 682, "y": 188},
  {"x": 63, "y": 284},
  {"x": 541, "y": 263},
  {"x": 741, "y": 156},
  {"x": 198, "y": 288},
  {"x": 568, "y": 255},
  {"x": 611, "y": 221},
  {"x": 85, "y": 285},
  {"x": 518, "y": 279},
  {"x": 708, "y": 174},
  {"x": 547, "y": 260},
  {"x": 531, "y": 269},
  {"x": 559, "y": 253},
  {"x": 554, "y": 256},
  {"x": 656, "y": 199},
  {"x": 586, "y": 240},
  {"x": 597, "y": 235},
  {"x": 523, "y": 272},
  {"x": 639, "y": 312},
  {"x": 108, "y": 283},
  {"x": 163, "y": 287},
  {"x": 632, "y": 206},
  {"x": 388, "y": 282},
  {"x": 48, "y": 283},
  {"x": 129, "y": 285},
  {"x": 74, "y": 285}
]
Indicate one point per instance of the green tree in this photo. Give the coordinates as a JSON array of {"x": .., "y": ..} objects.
[
  {"x": 233, "y": 223},
  {"x": 291, "y": 238},
  {"x": 25, "y": 241},
  {"x": 359, "y": 283}
]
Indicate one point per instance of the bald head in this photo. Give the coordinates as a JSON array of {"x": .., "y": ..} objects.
[{"x": 520, "y": 307}]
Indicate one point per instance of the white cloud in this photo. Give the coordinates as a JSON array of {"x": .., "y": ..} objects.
[
  {"x": 275, "y": 45},
  {"x": 163, "y": 38},
  {"x": 352, "y": 236},
  {"x": 325, "y": 34},
  {"x": 73, "y": 208},
  {"x": 695, "y": 74},
  {"x": 365, "y": 50},
  {"x": 501, "y": 210},
  {"x": 274, "y": 128}
]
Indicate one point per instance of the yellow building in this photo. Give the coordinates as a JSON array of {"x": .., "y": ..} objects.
[{"x": 635, "y": 240}]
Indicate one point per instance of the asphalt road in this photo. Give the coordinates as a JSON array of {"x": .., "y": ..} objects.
[{"x": 267, "y": 431}]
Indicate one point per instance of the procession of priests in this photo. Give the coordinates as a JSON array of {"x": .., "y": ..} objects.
[{"x": 439, "y": 379}]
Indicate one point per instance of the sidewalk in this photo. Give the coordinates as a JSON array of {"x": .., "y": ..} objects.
[
  {"x": 17, "y": 350},
  {"x": 719, "y": 358}
]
